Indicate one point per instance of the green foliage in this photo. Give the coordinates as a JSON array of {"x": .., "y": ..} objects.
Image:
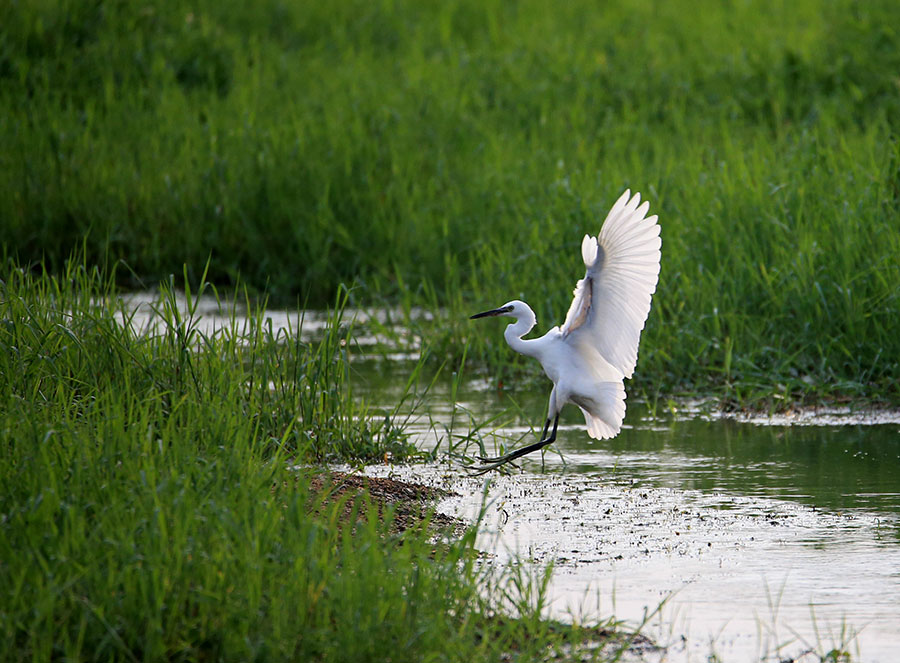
[
  {"x": 453, "y": 154},
  {"x": 69, "y": 358},
  {"x": 149, "y": 511}
]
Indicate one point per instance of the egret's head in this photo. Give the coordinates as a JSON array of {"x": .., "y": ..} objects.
[{"x": 513, "y": 309}]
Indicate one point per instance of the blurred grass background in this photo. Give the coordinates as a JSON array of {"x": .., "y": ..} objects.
[{"x": 452, "y": 155}]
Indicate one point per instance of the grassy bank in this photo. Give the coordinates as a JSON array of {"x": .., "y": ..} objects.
[
  {"x": 147, "y": 511},
  {"x": 453, "y": 154}
]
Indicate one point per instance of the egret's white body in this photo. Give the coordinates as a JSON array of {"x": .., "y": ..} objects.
[{"x": 595, "y": 349}]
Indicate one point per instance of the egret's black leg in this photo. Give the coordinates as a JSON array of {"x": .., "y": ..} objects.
[
  {"x": 485, "y": 459},
  {"x": 494, "y": 463}
]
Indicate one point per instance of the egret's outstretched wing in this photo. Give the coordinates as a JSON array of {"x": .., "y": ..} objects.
[{"x": 612, "y": 301}]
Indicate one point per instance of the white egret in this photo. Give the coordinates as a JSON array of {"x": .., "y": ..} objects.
[{"x": 596, "y": 348}]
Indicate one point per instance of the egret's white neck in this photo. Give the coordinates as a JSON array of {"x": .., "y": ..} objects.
[{"x": 514, "y": 333}]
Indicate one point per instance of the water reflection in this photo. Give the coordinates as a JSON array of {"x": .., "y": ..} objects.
[
  {"x": 767, "y": 540},
  {"x": 834, "y": 467},
  {"x": 844, "y": 467}
]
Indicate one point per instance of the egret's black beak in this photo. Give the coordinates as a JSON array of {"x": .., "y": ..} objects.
[{"x": 493, "y": 312}]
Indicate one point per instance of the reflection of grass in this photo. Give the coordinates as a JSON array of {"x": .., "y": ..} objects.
[
  {"x": 149, "y": 512},
  {"x": 452, "y": 154}
]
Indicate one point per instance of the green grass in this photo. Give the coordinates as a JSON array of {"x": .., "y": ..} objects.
[
  {"x": 148, "y": 510},
  {"x": 439, "y": 154},
  {"x": 69, "y": 359},
  {"x": 453, "y": 154}
]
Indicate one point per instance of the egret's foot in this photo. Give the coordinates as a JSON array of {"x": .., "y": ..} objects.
[
  {"x": 491, "y": 459},
  {"x": 484, "y": 469},
  {"x": 494, "y": 463}
]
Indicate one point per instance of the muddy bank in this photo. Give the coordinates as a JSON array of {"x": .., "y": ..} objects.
[{"x": 408, "y": 503}]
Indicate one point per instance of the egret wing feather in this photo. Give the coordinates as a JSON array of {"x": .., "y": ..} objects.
[{"x": 612, "y": 301}]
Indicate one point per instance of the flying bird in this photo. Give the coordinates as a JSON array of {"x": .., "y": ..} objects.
[{"x": 596, "y": 348}]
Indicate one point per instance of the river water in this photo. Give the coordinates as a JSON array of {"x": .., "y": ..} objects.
[{"x": 759, "y": 540}]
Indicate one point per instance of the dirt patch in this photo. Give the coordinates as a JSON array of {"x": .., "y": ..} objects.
[{"x": 409, "y": 503}]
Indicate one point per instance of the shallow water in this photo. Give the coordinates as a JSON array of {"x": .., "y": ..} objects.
[
  {"x": 764, "y": 540},
  {"x": 376, "y": 331}
]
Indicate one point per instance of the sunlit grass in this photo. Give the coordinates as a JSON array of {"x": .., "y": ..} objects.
[{"x": 72, "y": 354}]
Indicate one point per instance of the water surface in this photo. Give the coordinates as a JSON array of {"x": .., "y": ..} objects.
[{"x": 763, "y": 540}]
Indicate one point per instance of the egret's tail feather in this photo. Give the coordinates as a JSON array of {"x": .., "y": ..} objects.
[
  {"x": 599, "y": 429},
  {"x": 604, "y": 411}
]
